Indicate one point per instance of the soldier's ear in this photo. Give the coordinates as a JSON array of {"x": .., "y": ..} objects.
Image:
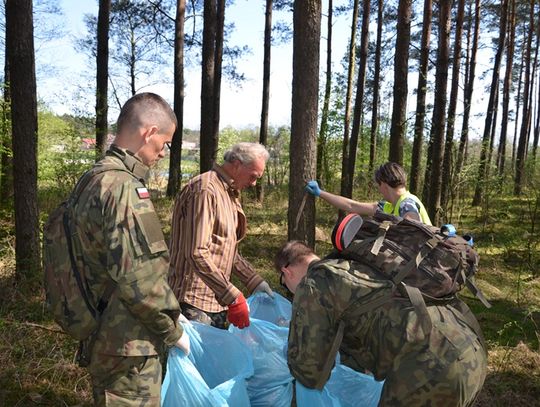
[{"x": 149, "y": 132}]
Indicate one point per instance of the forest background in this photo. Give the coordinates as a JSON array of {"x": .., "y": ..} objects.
[{"x": 448, "y": 89}]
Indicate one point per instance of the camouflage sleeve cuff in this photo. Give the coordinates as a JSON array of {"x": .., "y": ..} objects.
[
  {"x": 228, "y": 296},
  {"x": 173, "y": 337}
]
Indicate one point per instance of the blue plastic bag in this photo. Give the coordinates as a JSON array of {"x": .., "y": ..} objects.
[{"x": 213, "y": 375}]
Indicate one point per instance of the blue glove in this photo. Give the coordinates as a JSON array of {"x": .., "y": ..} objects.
[{"x": 313, "y": 188}]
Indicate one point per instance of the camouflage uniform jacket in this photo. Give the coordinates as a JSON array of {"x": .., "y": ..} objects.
[
  {"x": 333, "y": 298},
  {"x": 121, "y": 239}
]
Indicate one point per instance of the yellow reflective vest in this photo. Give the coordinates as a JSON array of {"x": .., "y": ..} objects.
[{"x": 394, "y": 209}]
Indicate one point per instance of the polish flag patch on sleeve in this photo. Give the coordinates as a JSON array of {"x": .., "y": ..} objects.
[{"x": 143, "y": 193}]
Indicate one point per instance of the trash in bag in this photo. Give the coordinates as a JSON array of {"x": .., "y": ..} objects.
[
  {"x": 209, "y": 376},
  {"x": 267, "y": 338}
]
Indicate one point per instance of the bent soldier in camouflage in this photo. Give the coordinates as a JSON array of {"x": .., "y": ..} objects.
[{"x": 346, "y": 306}]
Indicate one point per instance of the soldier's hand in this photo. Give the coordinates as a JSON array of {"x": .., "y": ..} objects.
[
  {"x": 313, "y": 188},
  {"x": 238, "y": 312},
  {"x": 183, "y": 343},
  {"x": 264, "y": 288}
]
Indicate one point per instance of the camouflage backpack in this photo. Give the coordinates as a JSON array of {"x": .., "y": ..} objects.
[
  {"x": 425, "y": 264},
  {"x": 67, "y": 295}
]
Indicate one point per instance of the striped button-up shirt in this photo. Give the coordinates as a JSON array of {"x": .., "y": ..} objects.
[{"x": 207, "y": 224}]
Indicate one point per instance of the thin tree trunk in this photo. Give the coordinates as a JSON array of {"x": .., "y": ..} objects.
[
  {"x": 305, "y": 96},
  {"x": 348, "y": 99},
  {"x": 20, "y": 42},
  {"x": 414, "y": 179},
  {"x": 433, "y": 179},
  {"x": 501, "y": 153},
  {"x": 207, "y": 144},
  {"x": 321, "y": 143},
  {"x": 263, "y": 135},
  {"x": 525, "y": 121},
  {"x": 102, "y": 77},
  {"x": 537, "y": 126},
  {"x": 468, "y": 91},
  {"x": 518, "y": 105},
  {"x": 218, "y": 59},
  {"x": 401, "y": 70},
  {"x": 6, "y": 177},
  {"x": 175, "y": 155},
  {"x": 359, "y": 102},
  {"x": 376, "y": 80},
  {"x": 452, "y": 105},
  {"x": 481, "y": 178}
]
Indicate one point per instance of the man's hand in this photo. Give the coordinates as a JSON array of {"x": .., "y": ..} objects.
[
  {"x": 183, "y": 343},
  {"x": 264, "y": 288},
  {"x": 238, "y": 313},
  {"x": 313, "y": 188}
]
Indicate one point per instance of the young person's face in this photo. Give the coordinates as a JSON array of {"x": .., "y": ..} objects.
[
  {"x": 155, "y": 141},
  {"x": 293, "y": 274}
]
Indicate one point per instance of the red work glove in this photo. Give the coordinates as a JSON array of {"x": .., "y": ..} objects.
[{"x": 238, "y": 313}]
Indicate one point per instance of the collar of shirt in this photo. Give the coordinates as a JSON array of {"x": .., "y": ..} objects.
[
  {"x": 131, "y": 162},
  {"x": 227, "y": 180}
]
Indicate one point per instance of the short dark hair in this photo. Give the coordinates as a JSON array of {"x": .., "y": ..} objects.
[
  {"x": 291, "y": 253},
  {"x": 392, "y": 174},
  {"x": 146, "y": 108}
]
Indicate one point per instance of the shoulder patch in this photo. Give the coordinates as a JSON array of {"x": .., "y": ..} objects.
[{"x": 142, "y": 192}]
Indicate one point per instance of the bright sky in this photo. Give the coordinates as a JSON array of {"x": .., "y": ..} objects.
[{"x": 240, "y": 107}]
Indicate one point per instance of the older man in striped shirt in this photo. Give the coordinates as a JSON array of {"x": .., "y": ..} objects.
[{"x": 207, "y": 224}]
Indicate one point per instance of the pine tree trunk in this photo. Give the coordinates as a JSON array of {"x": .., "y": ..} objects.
[
  {"x": 433, "y": 179},
  {"x": 175, "y": 155},
  {"x": 6, "y": 160},
  {"x": 416, "y": 167},
  {"x": 401, "y": 71},
  {"x": 376, "y": 80},
  {"x": 20, "y": 43},
  {"x": 518, "y": 105},
  {"x": 102, "y": 77},
  {"x": 263, "y": 134},
  {"x": 305, "y": 96}
]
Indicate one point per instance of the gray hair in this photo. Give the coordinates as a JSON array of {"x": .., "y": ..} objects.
[{"x": 246, "y": 153}]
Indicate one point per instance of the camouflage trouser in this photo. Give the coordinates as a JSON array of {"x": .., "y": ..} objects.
[
  {"x": 126, "y": 381},
  {"x": 455, "y": 384},
  {"x": 215, "y": 319}
]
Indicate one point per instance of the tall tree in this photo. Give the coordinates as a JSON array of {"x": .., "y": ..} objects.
[
  {"x": 218, "y": 58},
  {"x": 432, "y": 184},
  {"x": 376, "y": 80},
  {"x": 263, "y": 132},
  {"x": 521, "y": 154},
  {"x": 481, "y": 178},
  {"x": 452, "y": 105},
  {"x": 6, "y": 160},
  {"x": 20, "y": 45},
  {"x": 208, "y": 143},
  {"x": 305, "y": 96},
  {"x": 414, "y": 179},
  {"x": 321, "y": 142},
  {"x": 401, "y": 70},
  {"x": 468, "y": 86},
  {"x": 175, "y": 155},
  {"x": 102, "y": 77},
  {"x": 348, "y": 101},
  {"x": 359, "y": 101},
  {"x": 501, "y": 153}
]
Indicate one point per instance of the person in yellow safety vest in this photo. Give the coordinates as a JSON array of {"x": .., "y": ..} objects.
[{"x": 391, "y": 180}]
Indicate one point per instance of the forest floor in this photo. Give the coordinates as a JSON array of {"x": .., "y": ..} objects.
[{"x": 36, "y": 359}]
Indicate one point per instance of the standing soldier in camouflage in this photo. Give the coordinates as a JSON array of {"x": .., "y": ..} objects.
[
  {"x": 334, "y": 309},
  {"x": 123, "y": 243}
]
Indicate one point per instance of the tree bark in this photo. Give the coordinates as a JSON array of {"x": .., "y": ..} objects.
[
  {"x": 20, "y": 42},
  {"x": 6, "y": 176},
  {"x": 321, "y": 143},
  {"x": 401, "y": 71},
  {"x": 175, "y": 155},
  {"x": 449, "y": 142},
  {"x": 348, "y": 99},
  {"x": 416, "y": 166},
  {"x": 208, "y": 144},
  {"x": 433, "y": 178},
  {"x": 305, "y": 95},
  {"x": 263, "y": 135},
  {"x": 481, "y": 178},
  {"x": 218, "y": 59},
  {"x": 376, "y": 80},
  {"x": 359, "y": 102},
  {"x": 102, "y": 77}
]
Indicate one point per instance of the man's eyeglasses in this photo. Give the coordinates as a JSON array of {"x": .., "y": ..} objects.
[
  {"x": 281, "y": 277},
  {"x": 168, "y": 146}
]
